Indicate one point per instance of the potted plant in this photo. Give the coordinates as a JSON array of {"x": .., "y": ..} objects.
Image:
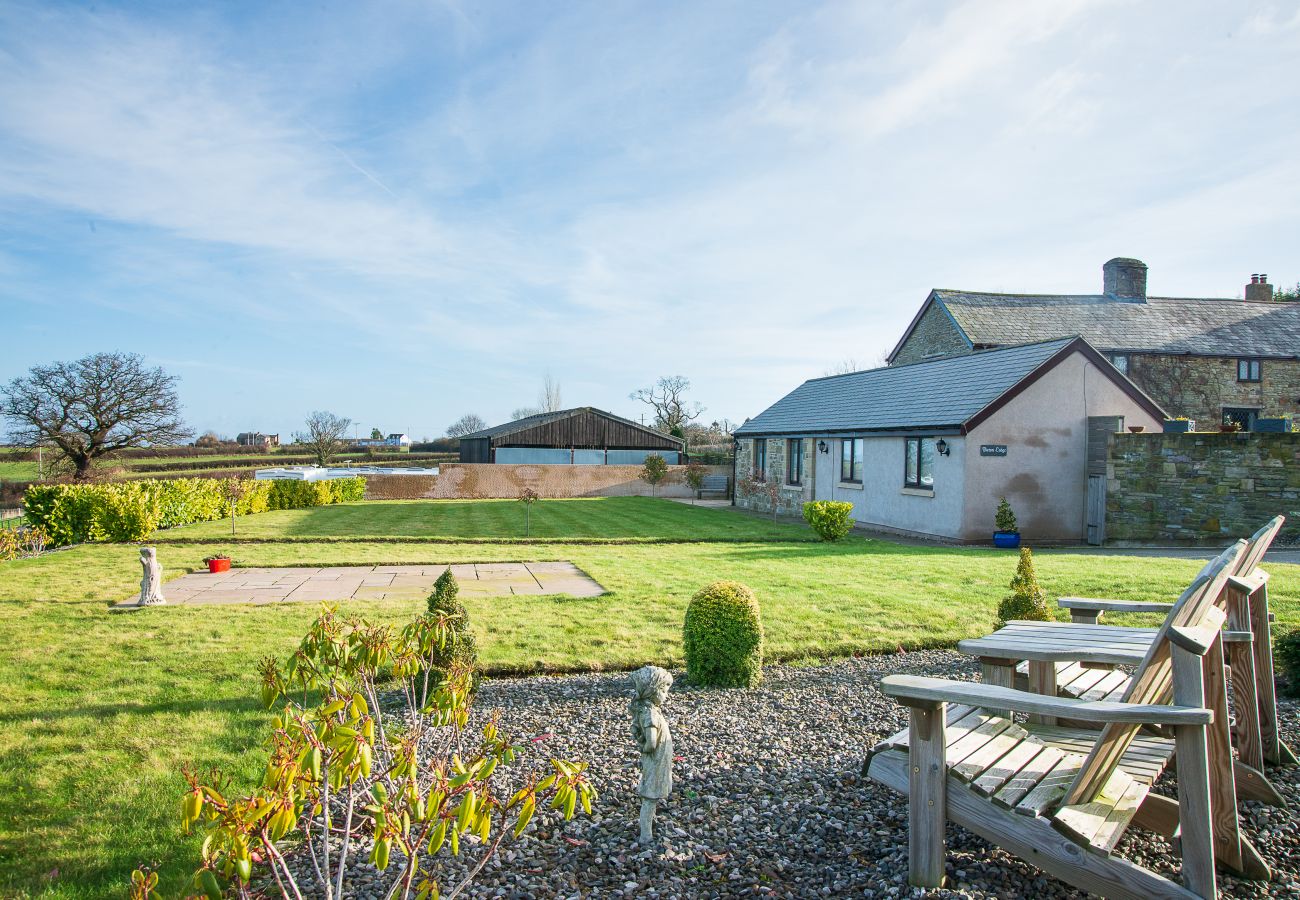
[
  {"x": 1230, "y": 427},
  {"x": 218, "y": 563},
  {"x": 1273, "y": 424},
  {"x": 1179, "y": 425},
  {"x": 1007, "y": 536}
]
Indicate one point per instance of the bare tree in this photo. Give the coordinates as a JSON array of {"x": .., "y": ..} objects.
[
  {"x": 549, "y": 399},
  {"x": 89, "y": 409},
  {"x": 844, "y": 367},
  {"x": 524, "y": 412},
  {"x": 324, "y": 435},
  {"x": 466, "y": 424},
  {"x": 667, "y": 398}
]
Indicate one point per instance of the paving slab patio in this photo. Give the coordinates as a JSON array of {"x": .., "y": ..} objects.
[{"x": 298, "y": 584}]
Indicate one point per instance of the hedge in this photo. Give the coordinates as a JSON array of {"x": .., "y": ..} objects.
[{"x": 134, "y": 510}]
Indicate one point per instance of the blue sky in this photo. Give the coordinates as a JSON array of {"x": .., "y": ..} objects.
[{"x": 405, "y": 211}]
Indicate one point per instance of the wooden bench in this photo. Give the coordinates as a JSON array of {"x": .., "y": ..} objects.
[
  {"x": 1062, "y": 798},
  {"x": 714, "y": 484}
]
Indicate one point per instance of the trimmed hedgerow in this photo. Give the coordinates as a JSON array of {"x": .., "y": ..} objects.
[
  {"x": 134, "y": 510},
  {"x": 723, "y": 636},
  {"x": 831, "y": 519}
]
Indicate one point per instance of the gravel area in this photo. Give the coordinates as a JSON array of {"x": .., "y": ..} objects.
[{"x": 769, "y": 799}]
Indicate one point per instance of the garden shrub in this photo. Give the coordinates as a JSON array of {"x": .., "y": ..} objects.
[
  {"x": 134, "y": 510},
  {"x": 1027, "y": 599},
  {"x": 461, "y": 649},
  {"x": 831, "y": 519},
  {"x": 1286, "y": 654},
  {"x": 723, "y": 636},
  {"x": 1005, "y": 519}
]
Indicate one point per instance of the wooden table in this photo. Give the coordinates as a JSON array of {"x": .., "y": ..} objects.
[{"x": 1046, "y": 644}]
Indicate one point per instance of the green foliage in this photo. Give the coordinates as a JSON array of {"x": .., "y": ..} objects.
[
  {"x": 460, "y": 649},
  {"x": 134, "y": 510},
  {"x": 831, "y": 519},
  {"x": 723, "y": 636},
  {"x": 654, "y": 470},
  {"x": 1027, "y": 599},
  {"x": 694, "y": 475},
  {"x": 1286, "y": 654},
  {"x": 1005, "y": 519},
  {"x": 405, "y": 796},
  {"x": 22, "y": 542}
]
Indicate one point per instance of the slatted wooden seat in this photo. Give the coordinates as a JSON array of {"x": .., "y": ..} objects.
[
  {"x": 1249, "y": 650},
  {"x": 1062, "y": 798}
]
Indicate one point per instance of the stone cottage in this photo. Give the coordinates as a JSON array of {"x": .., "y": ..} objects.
[
  {"x": 927, "y": 448},
  {"x": 1213, "y": 360}
]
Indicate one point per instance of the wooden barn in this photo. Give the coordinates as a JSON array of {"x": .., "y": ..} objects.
[{"x": 582, "y": 436}]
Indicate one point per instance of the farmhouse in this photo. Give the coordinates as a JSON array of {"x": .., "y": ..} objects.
[
  {"x": 582, "y": 436},
  {"x": 1212, "y": 360},
  {"x": 927, "y": 448}
]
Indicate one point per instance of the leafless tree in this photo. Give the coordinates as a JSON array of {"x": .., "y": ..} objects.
[
  {"x": 549, "y": 399},
  {"x": 89, "y": 409},
  {"x": 844, "y": 367},
  {"x": 524, "y": 412},
  {"x": 667, "y": 398},
  {"x": 466, "y": 424},
  {"x": 324, "y": 436}
]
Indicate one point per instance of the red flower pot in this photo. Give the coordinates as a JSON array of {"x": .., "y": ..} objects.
[{"x": 218, "y": 565}]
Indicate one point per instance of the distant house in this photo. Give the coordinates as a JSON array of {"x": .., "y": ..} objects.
[
  {"x": 394, "y": 441},
  {"x": 927, "y": 448},
  {"x": 1213, "y": 360},
  {"x": 257, "y": 439},
  {"x": 570, "y": 437}
]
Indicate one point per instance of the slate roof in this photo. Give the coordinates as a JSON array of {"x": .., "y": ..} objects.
[
  {"x": 542, "y": 418},
  {"x": 1212, "y": 327},
  {"x": 936, "y": 394}
]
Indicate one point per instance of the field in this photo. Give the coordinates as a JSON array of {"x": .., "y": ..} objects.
[{"x": 103, "y": 709}]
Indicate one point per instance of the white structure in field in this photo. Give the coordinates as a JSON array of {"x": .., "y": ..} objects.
[
  {"x": 316, "y": 473},
  {"x": 393, "y": 440}
]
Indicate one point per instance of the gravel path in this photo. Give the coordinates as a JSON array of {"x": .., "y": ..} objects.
[{"x": 769, "y": 800}]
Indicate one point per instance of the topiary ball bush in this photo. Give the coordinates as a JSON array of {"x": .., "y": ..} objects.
[
  {"x": 1027, "y": 600},
  {"x": 830, "y": 519},
  {"x": 461, "y": 646},
  {"x": 1286, "y": 654},
  {"x": 723, "y": 637}
]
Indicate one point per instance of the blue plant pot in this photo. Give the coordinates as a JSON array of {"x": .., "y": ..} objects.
[
  {"x": 1273, "y": 425},
  {"x": 1178, "y": 426},
  {"x": 1006, "y": 540}
]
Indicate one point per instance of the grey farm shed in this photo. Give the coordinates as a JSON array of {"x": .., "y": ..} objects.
[{"x": 584, "y": 435}]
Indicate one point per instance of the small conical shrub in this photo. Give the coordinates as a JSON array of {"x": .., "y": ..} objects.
[
  {"x": 1027, "y": 599},
  {"x": 1005, "y": 519},
  {"x": 723, "y": 637},
  {"x": 461, "y": 646}
]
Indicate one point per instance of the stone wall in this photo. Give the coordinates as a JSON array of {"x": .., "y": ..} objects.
[
  {"x": 1198, "y": 387},
  {"x": 1200, "y": 488},
  {"x": 476, "y": 481},
  {"x": 792, "y": 498},
  {"x": 934, "y": 336}
]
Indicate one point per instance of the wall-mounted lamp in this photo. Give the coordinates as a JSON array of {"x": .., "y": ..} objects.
[
  {"x": 942, "y": 446},
  {"x": 821, "y": 445}
]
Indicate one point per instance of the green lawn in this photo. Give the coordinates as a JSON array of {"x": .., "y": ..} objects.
[
  {"x": 102, "y": 709},
  {"x": 588, "y": 519}
]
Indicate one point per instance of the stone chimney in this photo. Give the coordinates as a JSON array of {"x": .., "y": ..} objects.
[
  {"x": 1125, "y": 278},
  {"x": 1259, "y": 289}
]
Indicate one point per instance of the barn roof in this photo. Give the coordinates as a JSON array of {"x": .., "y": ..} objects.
[
  {"x": 952, "y": 393},
  {"x": 528, "y": 422}
]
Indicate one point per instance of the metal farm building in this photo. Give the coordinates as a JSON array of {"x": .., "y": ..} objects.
[{"x": 582, "y": 436}]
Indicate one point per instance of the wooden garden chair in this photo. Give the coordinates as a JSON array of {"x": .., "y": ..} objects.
[
  {"x": 1248, "y": 643},
  {"x": 1063, "y": 798}
]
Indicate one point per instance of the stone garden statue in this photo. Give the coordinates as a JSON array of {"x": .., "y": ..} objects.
[
  {"x": 650, "y": 731},
  {"x": 151, "y": 583}
]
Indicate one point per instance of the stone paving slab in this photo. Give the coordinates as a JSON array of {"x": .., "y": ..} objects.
[{"x": 261, "y": 586}]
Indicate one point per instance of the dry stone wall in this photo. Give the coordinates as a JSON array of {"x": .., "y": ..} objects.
[
  {"x": 1204, "y": 488},
  {"x": 1198, "y": 387}
]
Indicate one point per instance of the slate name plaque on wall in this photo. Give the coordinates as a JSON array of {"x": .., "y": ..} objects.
[{"x": 993, "y": 449}]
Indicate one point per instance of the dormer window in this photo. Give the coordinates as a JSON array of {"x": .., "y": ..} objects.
[{"x": 1248, "y": 370}]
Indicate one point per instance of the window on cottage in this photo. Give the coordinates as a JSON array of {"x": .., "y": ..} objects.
[
  {"x": 918, "y": 464},
  {"x": 1248, "y": 370},
  {"x": 851, "y": 460},
  {"x": 1120, "y": 361},
  {"x": 794, "y": 461},
  {"x": 760, "y": 458}
]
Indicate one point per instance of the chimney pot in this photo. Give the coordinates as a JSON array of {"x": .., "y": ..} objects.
[
  {"x": 1125, "y": 278},
  {"x": 1259, "y": 290}
]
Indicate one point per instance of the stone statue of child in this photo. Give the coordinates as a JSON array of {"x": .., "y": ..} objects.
[
  {"x": 650, "y": 686},
  {"x": 151, "y": 583}
]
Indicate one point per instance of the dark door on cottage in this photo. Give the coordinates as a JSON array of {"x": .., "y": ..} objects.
[{"x": 1243, "y": 416}]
